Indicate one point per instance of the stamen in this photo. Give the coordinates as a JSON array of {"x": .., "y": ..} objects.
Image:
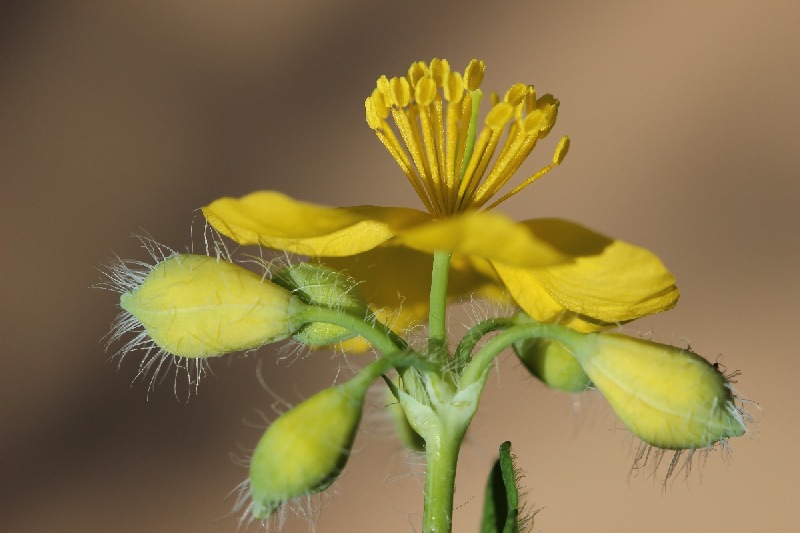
[
  {"x": 425, "y": 92},
  {"x": 485, "y": 147},
  {"x": 440, "y": 70},
  {"x": 558, "y": 157},
  {"x": 513, "y": 158},
  {"x": 453, "y": 89},
  {"x": 473, "y": 74},
  {"x": 411, "y": 142},
  {"x": 516, "y": 93},
  {"x": 451, "y": 166},
  {"x": 416, "y": 72}
]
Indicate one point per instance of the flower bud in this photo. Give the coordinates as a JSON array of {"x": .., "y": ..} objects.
[
  {"x": 306, "y": 448},
  {"x": 669, "y": 397},
  {"x": 552, "y": 363},
  {"x": 197, "y": 306},
  {"x": 318, "y": 285}
]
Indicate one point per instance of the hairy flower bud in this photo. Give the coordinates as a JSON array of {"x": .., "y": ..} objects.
[
  {"x": 669, "y": 397},
  {"x": 553, "y": 364},
  {"x": 319, "y": 285},
  {"x": 196, "y": 306},
  {"x": 306, "y": 448}
]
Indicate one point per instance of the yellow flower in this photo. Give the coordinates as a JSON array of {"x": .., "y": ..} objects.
[{"x": 554, "y": 269}]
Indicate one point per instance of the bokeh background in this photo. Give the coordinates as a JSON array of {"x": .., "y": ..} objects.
[{"x": 123, "y": 117}]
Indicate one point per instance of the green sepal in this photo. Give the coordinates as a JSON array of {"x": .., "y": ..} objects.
[
  {"x": 318, "y": 285},
  {"x": 410, "y": 438},
  {"x": 501, "y": 499},
  {"x": 553, "y": 363}
]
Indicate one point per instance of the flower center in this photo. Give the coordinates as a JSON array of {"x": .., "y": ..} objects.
[{"x": 452, "y": 167}]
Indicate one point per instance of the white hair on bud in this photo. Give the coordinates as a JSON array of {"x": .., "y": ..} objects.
[
  {"x": 126, "y": 275},
  {"x": 684, "y": 460}
]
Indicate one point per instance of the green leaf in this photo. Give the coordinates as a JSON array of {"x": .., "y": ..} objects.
[{"x": 501, "y": 504}]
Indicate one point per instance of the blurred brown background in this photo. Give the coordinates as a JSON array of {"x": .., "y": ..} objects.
[{"x": 119, "y": 117}]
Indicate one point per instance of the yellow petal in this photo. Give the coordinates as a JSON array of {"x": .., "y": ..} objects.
[
  {"x": 619, "y": 283},
  {"x": 524, "y": 287},
  {"x": 274, "y": 220},
  {"x": 486, "y": 235},
  {"x": 396, "y": 282}
]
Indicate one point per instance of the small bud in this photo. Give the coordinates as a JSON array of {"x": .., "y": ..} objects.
[
  {"x": 552, "y": 363},
  {"x": 321, "y": 286},
  {"x": 669, "y": 397},
  {"x": 196, "y": 306},
  {"x": 305, "y": 449}
]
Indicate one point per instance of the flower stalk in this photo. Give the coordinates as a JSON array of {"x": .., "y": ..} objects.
[
  {"x": 441, "y": 457},
  {"x": 437, "y": 321},
  {"x": 377, "y": 334}
]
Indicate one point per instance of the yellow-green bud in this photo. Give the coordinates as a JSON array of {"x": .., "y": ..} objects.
[
  {"x": 321, "y": 286},
  {"x": 306, "y": 448},
  {"x": 197, "y": 306},
  {"x": 552, "y": 363},
  {"x": 669, "y": 397}
]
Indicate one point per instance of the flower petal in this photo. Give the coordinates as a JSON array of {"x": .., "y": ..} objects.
[
  {"x": 396, "y": 282},
  {"x": 606, "y": 282},
  {"x": 486, "y": 235},
  {"x": 274, "y": 220}
]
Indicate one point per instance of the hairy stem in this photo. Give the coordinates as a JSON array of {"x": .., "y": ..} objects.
[
  {"x": 526, "y": 328},
  {"x": 377, "y": 334},
  {"x": 474, "y": 335}
]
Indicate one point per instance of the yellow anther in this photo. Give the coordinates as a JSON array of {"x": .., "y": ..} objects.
[
  {"x": 381, "y": 107},
  {"x": 417, "y": 71},
  {"x": 453, "y": 87},
  {"x": 385, "y": 88},
  {"x": 439, "y": 69},
  {"x": 499, "y": 116},
  {"x": 473, "y": 74},
  {"x": 516, "y": 93},
  {"x": 549, "y": 106},
  {"x": 452, "y": 163},
  {"x": 373, "y": 118},
  {"x": 532, "y": 124},
  {"x": 561, "y": 150},
  {"x": 425, "y": 91},
  {"x": 400, "y": 92}
]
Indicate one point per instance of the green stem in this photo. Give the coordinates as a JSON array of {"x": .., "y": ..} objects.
[
  {"x": 526, "y": 330},
  {"x": 441, "y": 455},
  {"x": 377, "y": 334},
  {"x": 468, "y": 342},
  {"x": 437, "y": 328}
]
